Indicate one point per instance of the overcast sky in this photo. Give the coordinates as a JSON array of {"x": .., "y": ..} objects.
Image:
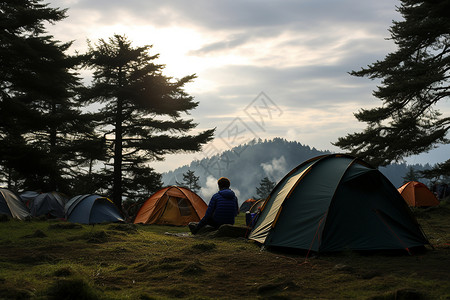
[{"x": 265, "y": 68}]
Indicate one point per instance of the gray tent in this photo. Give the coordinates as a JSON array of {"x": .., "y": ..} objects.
[
  {"x": 91, "y": 209},
  {"x": 333, "y": 203},
  {"x": 28, "y": 196},
  {"x": 48, "y": 204},
  {"x": 11, "y": 204}
]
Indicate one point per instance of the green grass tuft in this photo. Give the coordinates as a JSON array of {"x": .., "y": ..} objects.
[{"x": 202, "y": 247}]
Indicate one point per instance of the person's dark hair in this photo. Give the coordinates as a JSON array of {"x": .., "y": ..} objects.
[{"x": 223, "y": 183}]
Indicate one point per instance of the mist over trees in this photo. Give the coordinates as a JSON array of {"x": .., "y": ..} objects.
[{"x": 246, "y": 165}]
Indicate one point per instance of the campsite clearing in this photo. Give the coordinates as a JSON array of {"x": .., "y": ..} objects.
[{"x": 60, "y": 260}]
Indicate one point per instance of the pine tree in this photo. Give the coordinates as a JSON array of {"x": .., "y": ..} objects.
[
  {"x": 190, "y": 181},
  {"x": 142, "y": 110},
  {"x": 265, "y": 188},
  {"x": 411, "y": 175},
  {"x": 415, "y": 78},
  {"x": 41, "y": 122},
  {"x": 439, "y": 173}
]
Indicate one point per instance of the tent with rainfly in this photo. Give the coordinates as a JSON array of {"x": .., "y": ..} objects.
[
  {"x": 28, "y": 196},
  {"x": 417, "y": 194},
  {"x": 11, "y": 205},
  {"x": 50, "y": 204},
  {"x": 91, "y": 209},
  {"x": 172, "y": 205},
  {"x": 336, "y": 202}
]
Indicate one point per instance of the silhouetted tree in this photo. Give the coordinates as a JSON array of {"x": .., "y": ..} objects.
[
  {"x": 142, "y": 112},
  {"x": 439, "y": 173},
  {"x": 40, "y": 119},
  {"x": 190, "y": 181},
  {"x": 414, "y": 79},
  {"x": 411, "y": 175},
  {"x": 265, "y": 187}
]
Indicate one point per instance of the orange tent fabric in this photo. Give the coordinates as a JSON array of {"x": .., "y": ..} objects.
[
  {"x": 247, "y": 204},
  {"x": 172, "y": 205},
  {"x": 417, "y": 194}
]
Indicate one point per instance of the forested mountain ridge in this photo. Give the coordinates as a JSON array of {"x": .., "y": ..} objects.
[{"x": 247, "y": 164}]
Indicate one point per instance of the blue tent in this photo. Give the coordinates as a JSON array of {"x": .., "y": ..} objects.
[
  {"x": 91, "y": 209},
  {"x": 49, "y": 204}
]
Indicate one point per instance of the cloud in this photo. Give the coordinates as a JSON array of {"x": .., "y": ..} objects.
[
  {"x": 210, "y": 189},
  {"x": 298, "y": 52},
  {"x": 276, "y": 169}
]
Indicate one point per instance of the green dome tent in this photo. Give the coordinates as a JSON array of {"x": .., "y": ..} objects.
[{"x": 333, "y": 203}]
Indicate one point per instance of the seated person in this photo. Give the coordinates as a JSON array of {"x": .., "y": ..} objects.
[{"x": 222, "y": 209}]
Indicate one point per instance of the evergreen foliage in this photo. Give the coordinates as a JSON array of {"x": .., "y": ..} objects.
[
  {"x": 141, "y": 114},
  {"x": 411, "y": 175},
  {"x": 190, "y": 181},
  {"x": 45, "y": 137},
  {"x": 440, "y": 173},
  {"x": 265, "y": 187},
  {"x": 415, "y": 78}
]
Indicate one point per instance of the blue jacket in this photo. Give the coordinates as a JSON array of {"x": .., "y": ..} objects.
[{"x": 222, "y": 209}]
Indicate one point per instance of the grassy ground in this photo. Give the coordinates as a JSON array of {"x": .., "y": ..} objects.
[{"x": 60, "y": 260}]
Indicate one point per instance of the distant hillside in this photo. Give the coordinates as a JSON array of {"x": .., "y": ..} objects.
[{"x": 247, "y": 164}]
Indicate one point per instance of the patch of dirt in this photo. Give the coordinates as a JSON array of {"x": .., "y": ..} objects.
[
  {"x": 267, "y": 289},
  {"x": 168, "y": 260},
  {"x": 37, "y": 234},
  {"x": 72, "y": 289},
  {"x": 97, "y": 237},
  {"x": 192, "y": 269},
  {"x": 38, "y": 258},
  {"x": 128, "y": 228},
  {"x": 401, "y": 294},
  {"x": 63, "y": 272},
  {"x": 201, "y": 248},
  {"x": 174, "y": 293},
  {"x": 15, "y": 293},
  {"x": 65, "y": 226}
]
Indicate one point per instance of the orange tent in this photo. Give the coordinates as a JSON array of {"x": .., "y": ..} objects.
[
  {"x": 256, "y": 205},
  {"x": 172, "y": 205},
  {"x": 417, "y": 194},
  {"x": 247, "y": 204}
]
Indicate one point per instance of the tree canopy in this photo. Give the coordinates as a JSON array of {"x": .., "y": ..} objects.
[
  {"x": 415, "y": 78},
  {"x": 142, "y": 112},
  {"x": 44, "y": 135},
  {"x": 49, "y": 140},
  {"x": 190, "y": 181},
  {"x": 265, "y": 188}
]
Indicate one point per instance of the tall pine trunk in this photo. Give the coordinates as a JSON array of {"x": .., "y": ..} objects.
[
  {"x": 53, "y": 181},
  {"x": 117, "y": 181}
]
